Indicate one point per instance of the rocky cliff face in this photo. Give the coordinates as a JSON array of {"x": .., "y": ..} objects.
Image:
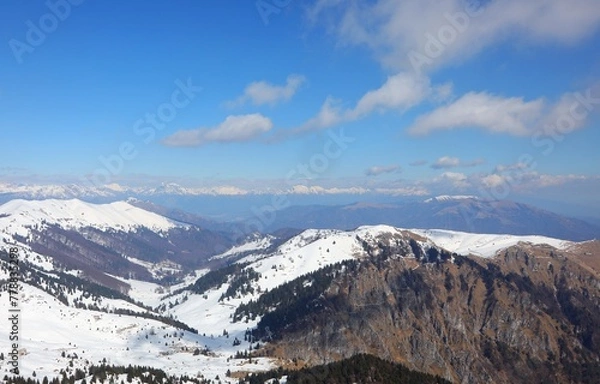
[{"x": 532, "y": 314}]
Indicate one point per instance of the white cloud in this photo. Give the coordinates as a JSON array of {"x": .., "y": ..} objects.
[
  {"x": 455, "y": 176},
  {"x": 482, "y": 110},
  {"x": 262, "y": 92},
  {"x": 513, "y": 115},
  {"x": 565, "y": 116},
  {"x": 329, "y": 115},
  {"x": 500, "y": 184},
  {"x": 443, "y": 92},
  {"x": 399, "y": 92},
  {"x": 234, "y": 129},
  {"x": 529, "y": 181},
  {"x": 455, "y": 179},
  {"x": 445, "y": 32},
  {"x": 452, "y": 31},
  {"x": 493, "y": 180},
  {"x": 544, "y": 181},
  {"x": 446, "y": 162},
  {"x": 377, "y": 171}
]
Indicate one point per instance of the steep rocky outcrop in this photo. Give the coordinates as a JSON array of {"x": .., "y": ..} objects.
[{"x": 532, "y": 314}]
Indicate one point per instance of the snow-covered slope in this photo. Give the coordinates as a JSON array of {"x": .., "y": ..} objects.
[
  {"x": 117, "y": 238},
  {"x": 482, "y": 244},
  {"x": 302, "y": 254},
  {"x": 50, "y": 327},
  {"x": 16, "y": 215},
  {"x": 257, "y": 245}
]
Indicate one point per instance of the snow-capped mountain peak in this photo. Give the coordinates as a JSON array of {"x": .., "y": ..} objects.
[{"x": 20, "y": 214}]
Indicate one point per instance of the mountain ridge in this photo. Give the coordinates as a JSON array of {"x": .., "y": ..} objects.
[
  {"x": 464, "y": 214},
  {"x": 76, "y": 213}
]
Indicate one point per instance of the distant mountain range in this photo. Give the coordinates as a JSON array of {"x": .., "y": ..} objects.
[
  {"x": 81, "y": 191},
  {"x": 460, "y": 213}
]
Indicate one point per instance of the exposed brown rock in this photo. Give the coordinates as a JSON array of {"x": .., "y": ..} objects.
[{"x": 532, "y": 314}]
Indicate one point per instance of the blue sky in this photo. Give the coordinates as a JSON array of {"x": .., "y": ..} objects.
[{"x": 432, "y": 97}]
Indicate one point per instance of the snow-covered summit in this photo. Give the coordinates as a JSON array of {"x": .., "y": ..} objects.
[
  {"x": 19, "y": 214},
  {"x": 464, "y": 243},
  {"x": 442, "y": 198},
  {"x": 484, "y": 245}
]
